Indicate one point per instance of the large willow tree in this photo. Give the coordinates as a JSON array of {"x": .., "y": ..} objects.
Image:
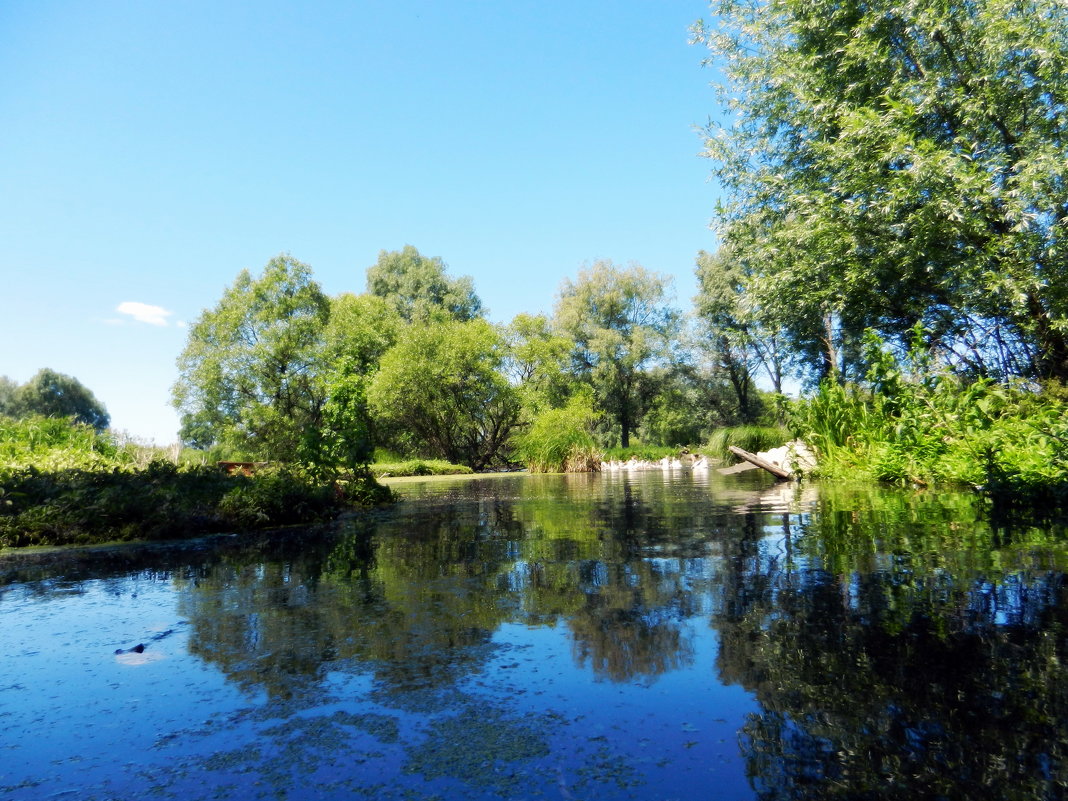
[
  {"x": 250, "y": 375},
  {"x": 889, "y": 163}
]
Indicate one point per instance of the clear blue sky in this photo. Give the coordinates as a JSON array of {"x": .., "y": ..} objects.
[{"x": 151, "y": 150}]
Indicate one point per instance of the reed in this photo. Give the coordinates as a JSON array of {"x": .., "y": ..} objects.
[{"x": 749, "y": 438}]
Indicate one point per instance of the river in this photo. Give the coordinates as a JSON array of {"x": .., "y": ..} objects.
[{"x": 647, "y": 636}]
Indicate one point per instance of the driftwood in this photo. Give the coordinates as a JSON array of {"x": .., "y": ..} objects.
[{"x": 774, "y": 469}]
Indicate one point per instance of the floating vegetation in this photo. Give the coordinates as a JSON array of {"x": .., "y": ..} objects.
[{"x": 481, "y": 746}]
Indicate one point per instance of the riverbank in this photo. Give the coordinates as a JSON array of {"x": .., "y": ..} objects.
[{"x": 163, "y": 501}]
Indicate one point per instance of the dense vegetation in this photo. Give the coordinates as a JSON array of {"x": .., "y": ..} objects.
[
  {"x": 280, "y": 371},
  {"x": 894, "y": 231},
  {"x": 896, "y": 181},
  {"x": 52, "y": 394},
  {"x": 63, "y": 483}
]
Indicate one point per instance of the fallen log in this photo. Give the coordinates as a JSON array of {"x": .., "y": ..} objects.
[{"x": 774, "y": 469}]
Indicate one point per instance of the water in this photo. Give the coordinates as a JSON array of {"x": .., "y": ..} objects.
[{"x": 556, "y": 637}]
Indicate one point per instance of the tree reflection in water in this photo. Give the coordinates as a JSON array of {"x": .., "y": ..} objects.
[
  {"x": 416, "y": 598},
  {"x": 896, "y": 654},
  {"x": 895, "y": 643}
]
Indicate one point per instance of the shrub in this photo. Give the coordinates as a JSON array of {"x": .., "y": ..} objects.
[
  {"x": 164, "y": 500},
  {"x": 560, "y": 440}
]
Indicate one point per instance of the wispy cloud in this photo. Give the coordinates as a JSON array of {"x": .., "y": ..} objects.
[{"x": 144, "y": 312}]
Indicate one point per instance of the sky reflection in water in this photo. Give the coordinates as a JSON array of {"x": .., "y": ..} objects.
[{"x": 565, "y": 637}]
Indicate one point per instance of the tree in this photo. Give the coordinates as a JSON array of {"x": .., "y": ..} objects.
[
  {"x": 362, "y": 328},
  {"x": 621, "y": 326},
  {"x": 443, "y": 382},
  {"x": 538, "y": 363},
  {"x": 893, "y": 163},
  {"x": 53, "y": 394},
  {"x": 419, "y": 288},
  {"x": 740, "y": 340},
  {"x": 250, "y": 370},
  {"x": 8, "y": 395}
]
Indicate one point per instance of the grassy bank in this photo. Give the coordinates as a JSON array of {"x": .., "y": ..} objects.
[
  {"x": 418, "y": 467},
  {"x": 65, "y": 484},
  {"x": 1009, "y": 443}
]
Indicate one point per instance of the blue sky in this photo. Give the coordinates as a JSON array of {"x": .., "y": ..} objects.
[{"x": 151, "y": 151}]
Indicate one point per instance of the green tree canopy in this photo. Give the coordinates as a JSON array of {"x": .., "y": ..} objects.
[
  {"x": 893, "y": 162},
  {"x": 250, "y": 373},
  {"x": 419, "y": 288},
  {"x": 734, "y": 331},
  {"x": 52, "y": 394},
  {"x": 362, "y": 328},
  {"x": 622, "y": 326},
  {"x": 8, "y": 394},
  {"x": 539, "y": 360},
  {"x": 444, "y": 383}
]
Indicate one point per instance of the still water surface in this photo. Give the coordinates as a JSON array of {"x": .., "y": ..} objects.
[{"x": 551, "y": 637}]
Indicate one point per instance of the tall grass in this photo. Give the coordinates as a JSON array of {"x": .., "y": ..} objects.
[
  {"x": 913, "y": 423},
  {"x": 749, "y": 438},
  {"x": 55, "y": 443},
  {"x": 559, "y": 440}
]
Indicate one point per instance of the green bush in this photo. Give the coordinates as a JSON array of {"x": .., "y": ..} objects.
[
  {"x": 912, "y": 423},
  {"x": 55, "y": 443},
  {"x": 162, "y": 501},
  {"x": 560, "y": 440}
]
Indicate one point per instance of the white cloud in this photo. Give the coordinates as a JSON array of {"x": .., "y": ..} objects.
[{"x": 144, "y": 312}]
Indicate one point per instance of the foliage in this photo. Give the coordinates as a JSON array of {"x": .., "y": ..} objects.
[
  {"x": 538, "y": 362},
  {"x": 163, "y": 500},
  {"x": 443, "y": 383},
  {"x": 891, "y": 163},
  {"x": 621, "y": 325},
  {"x": 344, "y": 437},
  {"x": 52, "y": 443},
  {"x": 682, "y": 410},
  {"x": 736, "y": 331},
  {"x": 749, "y": 438},
  {"x": 249, "y": 373},
  {"x": 419, "y": 289},
  {"x": 52, "y": 394},
  {"x": 561, "y": 440},
  {"x": 361, "y": 328},
  {"x": 645, "y": 453},
  {"x": 911, "y": 422},
  {"x": 419, "y": 467},
  {"x": 8, "y": 393}
]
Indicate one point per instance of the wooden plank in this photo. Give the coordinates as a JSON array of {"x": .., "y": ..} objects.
[{"x": 752, "y": 457}]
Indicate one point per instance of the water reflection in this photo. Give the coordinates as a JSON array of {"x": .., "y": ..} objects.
[{"x": 891, "y": 643}]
